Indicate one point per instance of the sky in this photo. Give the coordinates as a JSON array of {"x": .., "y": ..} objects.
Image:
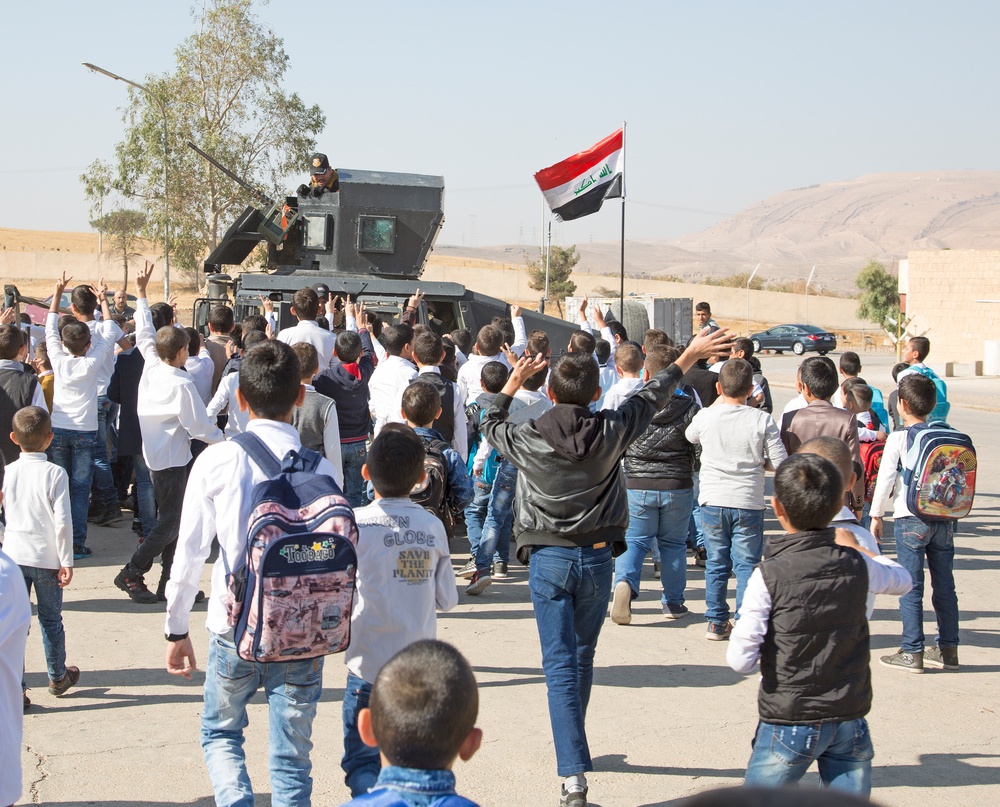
[{"x": 726, "y": 102}]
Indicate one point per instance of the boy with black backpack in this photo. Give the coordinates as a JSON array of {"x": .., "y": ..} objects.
[
  {"x": 218, "y": 502},
  {"x": 446, "y": 487}
]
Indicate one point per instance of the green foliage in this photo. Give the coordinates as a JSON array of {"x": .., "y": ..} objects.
[
  {"x": 225, "y": 95},
  {"x": 123, "y": 229},
  {"x": 737, "y": 281},
  {"x": 561, "y": 263},
  {"x": 879, "y": 298}
]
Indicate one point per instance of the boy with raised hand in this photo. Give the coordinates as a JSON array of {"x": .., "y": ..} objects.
[
  {"x": 421, "y": 717},
  {"x": 77, "y": 356},
  {"x": 738, "y": 443},
  {"x": 489, "y": 347},
  {"x": 171, "y": 413},
  {"x": 404, "y": 574},
  {"x": 917, "y": 541},
  {"x": 572, "y": 521},
  {"x": 804, "y": 620},
  {"x": 217, "y": 503}
]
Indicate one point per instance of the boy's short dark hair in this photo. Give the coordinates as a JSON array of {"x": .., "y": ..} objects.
[
  {"x": 376, "y": 323},
  {"x": 819, "y": 375},
  {"x": 396, "y": 337},
  {"x": 11, "y": 342},
  {"x": 538, "y": 342},
  {"x": 421, "y": 403},
  {"x": 84, "y": 300},
  {"x": 919, "y": 393},
  {"x": 323, "y": 322},
  {"x": 617, "y": 329},
  {"x": 348, "y": 347},
  {"x": 170, "y": 341},
  {"x": 252, "y": 338},
  {"x": 396, "y": 460},
  {"x": 32, "y": 427},
  {"x": 537, "y": 381},
  {"x": 493, "y": 376},
  {"x": 221, "y": 319},
  {"x": 66, "y": 319},
  {"x": 655, "y": 336},
  {"x": 427, "y": 348},
  {"x": 850, "y": 363},
  {"x": 506, "y": 327},
  {"x": 659, "y": 357},
  {"x": 42, "y": 354},
  {"x": 450, "y": 358},
  {"x": 424, "y": 704},
  {"x": 703, "y": 307},
  {"x": 834, "y": 449},
  {"x": 305, "y": 303},
  {"x": 270, "y": 379},
  {"x": 76, "y": 337},
  {"x": 489, "y": 341},
  {"x": 308, "y": 359},
  {"x": 811, "y": 490},
  {"x": 921, "y": 344},
  {"x": 629, "y": 357},
  {"x": 602, "y": 350},
  {"x": 463, "y": 338},
  {"x": 897, "y": 368},
  {"x": 742, "y": 345},
  {"x": 575, "y": 378},
  {"x": 194, "y": 341},
  {"x": 582, "y": 342},
  {"x": 162, "y": 315},
  {"x": 860, "y": 395},
  {"x": 253, "y": 322},
  {"x": 736, "y": 378}
]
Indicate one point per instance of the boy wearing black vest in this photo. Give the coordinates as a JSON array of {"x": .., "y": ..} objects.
[
  {"x": 19, "y": 388},
  {"x": 803, "y": 618}
]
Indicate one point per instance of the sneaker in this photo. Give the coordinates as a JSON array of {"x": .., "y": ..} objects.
[
  {"x": 700, "y": 556},
  {"x": 656, "y": 570},
  {"x": 621, "y": 604},
  {"x": 59, "y": 688},
  {"x": 468, "y": 571},
  {"x": 81, "y": 552},
  {"x": 137, "y": 526},
  {"x": 573, "y": 798},
  {"x": 132, "y": 584},
  {"x": 500, "y": 570},
  {"x": 94, "y": 510},
  {"x": 944, "y": 658},
  {"x": 479, "y": 583},
  {"x": 675, "y": 611},
  {"x": 717, "y": 632},
  {"x": 111, "y": 514},
  {"x": 908, "y": 662}
]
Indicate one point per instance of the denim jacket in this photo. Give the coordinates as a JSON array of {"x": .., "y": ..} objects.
[{"x": 419, "y": 788}]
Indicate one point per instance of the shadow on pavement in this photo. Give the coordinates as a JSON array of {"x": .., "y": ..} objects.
[{"x": 617, "y": 763}]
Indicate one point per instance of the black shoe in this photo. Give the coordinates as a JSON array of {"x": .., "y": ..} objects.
[
  {"x": 675, "y": 611},
  {"x": 111, "y": 514},
  {"x": 137, "y": 526},
  {"x": 132, "y": 583},
  {"x": 479, "y": 583},
  {"x": 82, "y": 552},
  {"x": 500, "y": 570},
  {"x": 944, "y": 658},
  {"x": 59, "y": 688},
  {"x": 905, "y": 661},
  {"x": 94, "y": 511}
]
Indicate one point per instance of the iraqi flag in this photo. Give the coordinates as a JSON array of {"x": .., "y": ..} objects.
[{"x": 578, "y": 185}]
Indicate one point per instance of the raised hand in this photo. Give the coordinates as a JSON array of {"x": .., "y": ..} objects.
[
  {"x": 142, "y": 279},
  {"x": 515, "y": 311}
]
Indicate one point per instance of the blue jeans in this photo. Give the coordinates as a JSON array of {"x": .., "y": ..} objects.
[
  {"x": 734, "y": 540},
  {"x": 570, "y": 587},
  {"x": 74, "y": 453},
  {"x": 144, "y": 495},
  {"x": 105, "y": 492},
  {"x": 475, "y": 513},
  {"x": 49, "y": 598},
  {"x": 293, "y": 689},
  {"x": 843, "y": 753},
  {"x": 696, "y": 536},
  {"x": 499, "y": 519},
  {"x": 657, "y": 518},
  {"x": 353, "y": 456},
  {"x": 915, "y": 540},
  {"x": 361, "y": 763}
]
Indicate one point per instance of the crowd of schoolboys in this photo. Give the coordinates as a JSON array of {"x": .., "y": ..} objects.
[{"x": 590, "y": 460}]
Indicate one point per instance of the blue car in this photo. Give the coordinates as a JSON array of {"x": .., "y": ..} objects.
[{"x": 796, "y": 338}]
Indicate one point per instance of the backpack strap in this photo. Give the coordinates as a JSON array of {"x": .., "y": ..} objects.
[{"x": 262, "y": 456}]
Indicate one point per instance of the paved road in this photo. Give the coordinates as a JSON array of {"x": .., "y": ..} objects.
[{"x": 667, "y": 718}]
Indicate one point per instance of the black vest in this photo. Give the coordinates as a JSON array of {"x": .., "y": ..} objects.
[
  {"x": 16, "y": 391},
  {"x": 814, "y": 661},
  {"x": 444, "y": 425}
]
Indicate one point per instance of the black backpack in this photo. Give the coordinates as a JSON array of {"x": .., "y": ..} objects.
[{"x": 432, "y": 492}]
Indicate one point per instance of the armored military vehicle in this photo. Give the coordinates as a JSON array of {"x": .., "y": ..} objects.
[{"x": 370, "y": 240}]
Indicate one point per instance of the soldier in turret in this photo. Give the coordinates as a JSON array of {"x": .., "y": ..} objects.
[{"x": 322, "y": 177}]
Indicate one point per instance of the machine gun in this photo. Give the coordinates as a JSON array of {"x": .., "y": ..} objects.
[{"x": 280, "y": 217}]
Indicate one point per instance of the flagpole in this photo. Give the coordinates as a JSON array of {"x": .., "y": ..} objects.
[
  {"x": 548, "y": 253},
  {"x": 621, "y": 302}
]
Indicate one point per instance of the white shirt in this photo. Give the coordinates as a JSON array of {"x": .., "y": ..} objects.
[
  {"x": 621, "y": 391},
  {"x": 170, "y": 409},
  {"x": 608, "y": 377},
  {"x": 113, "y": 334},
  {"x": 460, "y": 439},
  {"x": 890, "y": 478},
  {"x": 312, "y": 333},
  {"x": 201, "y": 369},
  {"x": 470, "y": 373},
  {"x": 404, "y": 572},
  {"x": 74, "y": 401},
  {"x": 884, "y": 577},
  {"x": 39, "y": 525},
  {"x": 913, "y": 368},
  {"x": 217, "y": 503},
  {"x": 385, "y": 390},
  {"x": 845, "y": 520},
  {"x": 225, "y": 396},
  {"x": 798, "y": 402},
  {"x": 38, "y": 396},
  {"x": 15, "y": 617}
]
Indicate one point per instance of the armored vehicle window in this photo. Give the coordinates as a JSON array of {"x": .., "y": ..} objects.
[{"x": 377, "y": 234}]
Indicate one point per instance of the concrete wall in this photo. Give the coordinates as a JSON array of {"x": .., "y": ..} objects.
[
  {"x": 948, "y": 294},
  {"x": 83, "y": 266}
]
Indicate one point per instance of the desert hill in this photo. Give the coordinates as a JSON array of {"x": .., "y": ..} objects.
[{"x": 836, "y": 226}]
